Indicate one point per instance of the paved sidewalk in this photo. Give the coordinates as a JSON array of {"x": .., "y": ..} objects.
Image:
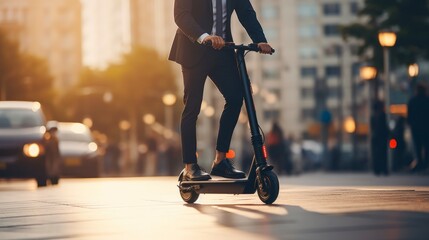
[{"x": 314, "y": 206}]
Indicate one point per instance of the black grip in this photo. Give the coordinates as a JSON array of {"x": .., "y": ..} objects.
[{"x": 251, "y": 47}]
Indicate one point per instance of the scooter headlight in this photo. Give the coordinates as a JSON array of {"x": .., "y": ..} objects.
[{"x": 33, "y": 150}]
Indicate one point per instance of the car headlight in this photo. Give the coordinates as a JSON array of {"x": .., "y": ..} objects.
[
  {"x": 92, "y": 146},
  {"x": 33, "y": 150}
]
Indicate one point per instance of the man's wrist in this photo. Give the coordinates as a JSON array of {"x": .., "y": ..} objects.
[{"x": 200, "y": 40}]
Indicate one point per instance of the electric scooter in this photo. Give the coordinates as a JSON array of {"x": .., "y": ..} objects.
[{"x": 260, "y": 176}]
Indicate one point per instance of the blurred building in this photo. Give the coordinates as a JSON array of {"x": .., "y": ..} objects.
[
  {"x": 152, "y": 24},
  {"x": 313, "y": 68},
  {"x": 106, "y": 31},
  {"x": 48, "y": 29}
]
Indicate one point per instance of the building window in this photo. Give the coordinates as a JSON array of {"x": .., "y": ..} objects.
[
  {"x": 269, "y": 12},
  {"x": 333, "y": 92},
  {"x": 271, "y": 74},
  {"x": 271, "y": 114},
  {"x": 308, "y": 31},
  {"x": 308, "y": 52},
  {"x": 332, "y": 71},
  {"x": 354, "y": 8},
  {"x": 307, "y": 10},
  {"x": 331, "y": 30},
  {"x": 331, "y": 9},
  {"x": 308, "y": 72},
  {"x": 333, "y": 50},
  {"x": 307, "y": 114},
  {"x": 307, "y": 93}
]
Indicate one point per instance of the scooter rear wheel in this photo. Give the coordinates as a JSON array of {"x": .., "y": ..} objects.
[
  {"x": 189, "y": 196},
  {"x": 271, "y": 191}
]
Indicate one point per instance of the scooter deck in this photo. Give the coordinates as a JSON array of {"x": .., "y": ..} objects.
[
  {"x": 216, "y": 179},
  {"x": 219, "y": 185}
]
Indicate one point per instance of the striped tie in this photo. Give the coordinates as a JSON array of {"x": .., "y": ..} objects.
[{"x": 219, "y": 18}]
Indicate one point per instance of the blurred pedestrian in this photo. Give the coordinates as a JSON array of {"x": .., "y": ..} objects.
[
  {"x": 399, "y": 153},
  {"x": 379, "y": 139},
  {"x": 276, "y": 148},
  {"x": 151, "y": 162},
  {"x": 418, "y": 119},
  {"x": 111, "y": 158}
]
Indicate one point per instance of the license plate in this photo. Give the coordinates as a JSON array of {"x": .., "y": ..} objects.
[
  {"x": 73, "y": 162},
  {"x": 3, "y": 165}
]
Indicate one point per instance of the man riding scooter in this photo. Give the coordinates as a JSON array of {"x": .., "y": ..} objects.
[{"x": 199, "y": 22}]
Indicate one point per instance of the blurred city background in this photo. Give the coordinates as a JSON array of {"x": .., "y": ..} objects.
[{"x": 339, "y": 66}]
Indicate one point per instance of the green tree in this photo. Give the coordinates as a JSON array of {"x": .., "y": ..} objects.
[
  {"x": 23, "y": 76},
  {"x": 408, "y": 18},
  {"x": 136, "y": 83}
]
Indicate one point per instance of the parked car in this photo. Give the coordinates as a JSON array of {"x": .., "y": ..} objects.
[
  {"x": 79, "y": 152},
  {"x": 28, "y": 144}
]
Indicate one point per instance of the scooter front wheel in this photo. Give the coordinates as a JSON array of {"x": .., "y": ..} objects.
[
  {"x": 270, "y": 190},
  {"x": 189, "y": 196}
]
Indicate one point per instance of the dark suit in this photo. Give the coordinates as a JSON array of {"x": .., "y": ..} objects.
[{"x": 194, "y": 18}]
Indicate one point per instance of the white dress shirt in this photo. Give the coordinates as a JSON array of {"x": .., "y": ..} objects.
[{"x": 224, "y": 16}]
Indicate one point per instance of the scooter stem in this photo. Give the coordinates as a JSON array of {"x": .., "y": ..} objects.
[{"x": 257, "y": 141}]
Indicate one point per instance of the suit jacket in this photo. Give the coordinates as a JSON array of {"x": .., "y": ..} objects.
[{"x": 195, "y": 17}]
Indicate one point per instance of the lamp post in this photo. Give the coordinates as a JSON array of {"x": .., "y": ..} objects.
[
  {"x": 387, "y": 39},
  {"x": 169, "y": 100},
  {"x": 369, "y": 74}
]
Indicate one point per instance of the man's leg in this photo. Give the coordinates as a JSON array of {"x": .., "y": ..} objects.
[
  {"x": 225, "y": 76},
  {"x": 194, "y": 79}
]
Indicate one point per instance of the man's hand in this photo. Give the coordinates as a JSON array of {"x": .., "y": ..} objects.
[
  {"x": 265, "y": 48},
  {"x": 217, "y": 42}
]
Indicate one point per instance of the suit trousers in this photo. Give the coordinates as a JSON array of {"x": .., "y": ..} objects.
[{"x": 221, "y": 67}]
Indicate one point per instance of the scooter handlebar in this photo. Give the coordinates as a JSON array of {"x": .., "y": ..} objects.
[{"x": 251, "y": 47}]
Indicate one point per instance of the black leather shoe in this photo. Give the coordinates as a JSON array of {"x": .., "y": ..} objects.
[
  {"x": 195, "y": 174},
  {"x": 227, "y": 170}
]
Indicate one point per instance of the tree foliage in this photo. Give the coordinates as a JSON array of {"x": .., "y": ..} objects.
[
  {"x": 408, "y": 18},
  {"x": 136, "y": 84},
  {"x": 23, "y": 76}
]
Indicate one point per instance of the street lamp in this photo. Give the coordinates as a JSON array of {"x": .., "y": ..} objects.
[
  {"x": 169, "y": 100},
  {"x": 387, "y": 40},
  {"x": 413, "y": 72},
  {"x": 369, "y": 73},
  {"x": 88, "y": 122},
  {"x": 149, "y": 119},
  {"x": 350, "y": 125}
]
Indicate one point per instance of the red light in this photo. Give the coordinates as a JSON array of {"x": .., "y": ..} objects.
[
  {"x": 393, "y": 144},
  {"x": 230, "y": 154},
  {"x": 264, "y": 150}
]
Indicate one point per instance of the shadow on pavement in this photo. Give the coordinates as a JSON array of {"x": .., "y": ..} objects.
[{"x": 294, "y": 222}]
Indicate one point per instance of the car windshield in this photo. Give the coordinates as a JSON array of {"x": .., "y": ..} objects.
[
  {"x": 19, "y": 118},
  {"x": 74, "y": 133}
]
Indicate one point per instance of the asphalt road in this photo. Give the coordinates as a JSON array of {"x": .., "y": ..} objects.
[{"x": 313, "y": 206}]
